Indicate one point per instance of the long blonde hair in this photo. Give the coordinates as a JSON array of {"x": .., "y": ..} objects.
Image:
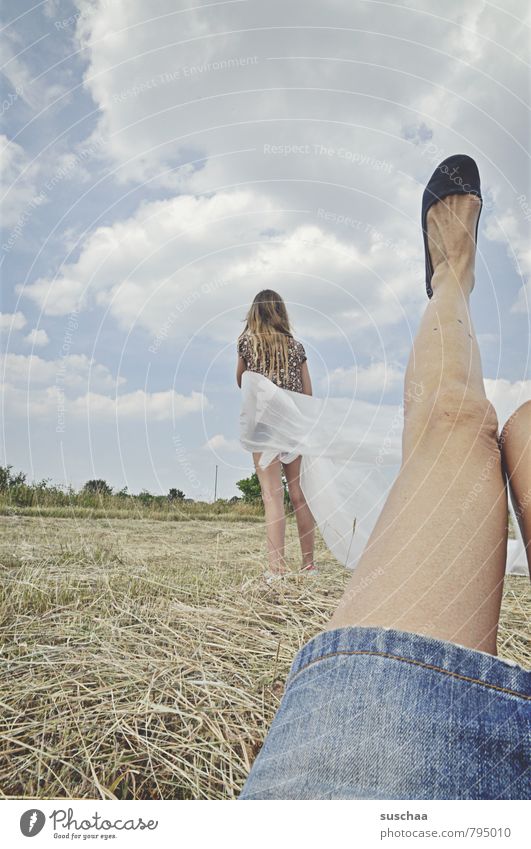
[{"x": 268, "y": 328}]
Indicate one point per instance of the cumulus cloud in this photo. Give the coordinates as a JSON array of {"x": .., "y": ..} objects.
[
  {"x": 153, "y": 406},
  {"x": 37, "y": 338},
  {"x": 73, "y": 372},
  {"x": 76, "y": 383},
  {"x": 185, "y": 263},
  {"x": 17, "y": 190},
  {"x": 507, "y": 396},
  {"x": 288, "y": 169},
  {"x": 219, "y": 442},
  {"x": 374, "y": 379},
  {"x": 12, "y": 321},
  {"x": 287, "y": 146},
  {"x": 508, "y": 230},
  {"x": 51, "y": 403}
]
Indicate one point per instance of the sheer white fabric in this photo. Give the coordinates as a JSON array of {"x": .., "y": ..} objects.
[{"x": 350, "y": 457}]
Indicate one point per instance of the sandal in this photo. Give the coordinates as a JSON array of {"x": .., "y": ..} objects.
[
  {"x": 274, "y": 577},
  {"x": 456, "y": 175}
]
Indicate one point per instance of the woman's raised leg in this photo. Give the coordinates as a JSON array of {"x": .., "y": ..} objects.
[
  {"x": 303, "y": 515},
  {"x": 435, "y": 561},
  {"x": 515, "y": 441},
  {"x": 275, "y": 518}
]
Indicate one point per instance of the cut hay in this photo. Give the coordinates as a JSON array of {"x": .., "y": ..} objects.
[{"x": 146, "y": 660}]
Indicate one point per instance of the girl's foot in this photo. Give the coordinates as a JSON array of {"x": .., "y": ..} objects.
[
  {"x": 274, "y": 577},
  {"x": 310, "y": 567}
]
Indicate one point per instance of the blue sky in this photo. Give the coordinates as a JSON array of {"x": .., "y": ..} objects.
[{"x": 163, "y": 162}]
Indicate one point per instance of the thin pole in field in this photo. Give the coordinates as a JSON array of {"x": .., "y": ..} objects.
[{"x": 216, "y": 485}]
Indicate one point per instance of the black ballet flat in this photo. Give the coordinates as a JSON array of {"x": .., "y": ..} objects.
[{"x": 456, "y": 175}]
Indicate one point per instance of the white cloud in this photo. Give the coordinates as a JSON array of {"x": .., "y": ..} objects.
[
  {"x": 48, "y": 403},
  {"x": 72, "y": 372},
  {"x": 330, "y": 216},
  {"x": 17, "y": 190},
  {"x": 219, "y": 442},
  {"x": 357, "y": 133},
  {"x": 153, "y": 406},
  {"x": 507, "y": 396},
  {"x": 12, "y": 321},
  {"x": 512, "y": 230},
  {"x": 35, "y": 89},
  {"x": 37, "y": 338},
  {"x": 374, "y": 379},
  {"x": 38, "y": 387},
  {"x": 360, "y": 100},
  {"x": 176, "y": 78},
  {"x": 184, "y": 265}
]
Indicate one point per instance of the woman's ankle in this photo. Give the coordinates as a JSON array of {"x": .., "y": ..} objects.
[
  {"x": 459, "y": 277},
  {"x": 278, "y": 566}
]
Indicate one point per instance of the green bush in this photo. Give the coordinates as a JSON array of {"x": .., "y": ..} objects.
[{"x": 97, "y": 487}]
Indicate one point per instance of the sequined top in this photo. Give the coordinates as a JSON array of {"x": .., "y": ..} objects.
[{"x": 296, "y": 357}]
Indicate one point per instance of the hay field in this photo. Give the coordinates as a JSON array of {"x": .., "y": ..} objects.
[{"x": 146, "y": 659}]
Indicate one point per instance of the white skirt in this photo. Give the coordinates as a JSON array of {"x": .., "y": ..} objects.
[{"x": 350, "y": 458}]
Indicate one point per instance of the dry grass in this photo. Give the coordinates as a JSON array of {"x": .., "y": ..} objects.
[{"x": 146, "y": 660}]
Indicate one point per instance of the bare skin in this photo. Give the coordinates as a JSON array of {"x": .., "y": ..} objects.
[
  {"x": 435, "y": 561},
  {"x": 515, "y": 441},
  {"x": 275, "y": 518},
  {"x": 273, "y": 498}
]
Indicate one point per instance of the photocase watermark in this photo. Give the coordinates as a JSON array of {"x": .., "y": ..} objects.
[
  {"x": 315, "y": 149},
  {"x": 436, "y": 154},
  {"x": 183, "y": 460},
  {"x": 66, "y": 820},
  {"x": 66, "y": 825},
  {"x": 71, "y": 326},
  {"x": 414, "y": 393},
  {"x": 524, "y": 206},
  {"x": 18, "y": 228},
  {"x": 10, "y": 99},
  {"x": 363, "y": 583},
  {"x": 354, "y": 156},
  {"x": 71, "y": 20},
  {"x": 493, "y": 461},
  {"x": 184, "y": 72},
  {"x": 520, "y": 509},
  {"x": 32, "y": 822},
  {"x": 398, "y": 248},
  {"x": 432, "y": 152},
  {"x": 57, "y": 177},
  {"x": 206, "y": 288}
]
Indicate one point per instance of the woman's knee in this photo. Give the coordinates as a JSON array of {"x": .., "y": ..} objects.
[
  {"x": 296, "y": 497},
  {"x": 454, "y": 410},
  {"x": 272, "y": 495}
]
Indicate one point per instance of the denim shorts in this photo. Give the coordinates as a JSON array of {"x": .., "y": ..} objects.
[{"x": 375, "y": 713}]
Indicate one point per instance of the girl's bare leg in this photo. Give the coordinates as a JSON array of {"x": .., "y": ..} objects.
[
  {"x": 515, "y": 441},
  {"x": 273, "y": 498},
  {"x": 435, "y": 561},
  {"x": 305, "y": 520}
]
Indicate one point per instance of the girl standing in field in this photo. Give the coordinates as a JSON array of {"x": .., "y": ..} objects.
[{"x": 267, "y": 347}]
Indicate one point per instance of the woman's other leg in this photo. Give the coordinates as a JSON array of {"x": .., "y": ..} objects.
[
  {"x": 275, "y": 519},
  {"x": 515, "y": 441},
  {"x": 303, "y": 515},
  {"x": 435, "y": 561}
]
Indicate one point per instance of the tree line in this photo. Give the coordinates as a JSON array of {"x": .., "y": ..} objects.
[{"x": 17, "y": 491}]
